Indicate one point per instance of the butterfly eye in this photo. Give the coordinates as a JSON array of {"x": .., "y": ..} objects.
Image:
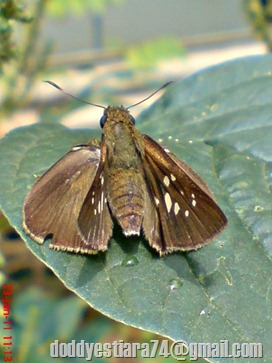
[
  {"x": 102, "y": 121},
  {"x": 132, "y": 119}
]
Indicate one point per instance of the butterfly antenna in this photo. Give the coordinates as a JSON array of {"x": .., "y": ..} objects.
[
  {"x": 76, "y": 98},
  {"x": 152, "y": 94}
]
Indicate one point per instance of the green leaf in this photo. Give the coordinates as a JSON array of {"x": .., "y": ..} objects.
[{"x": 219, "y": 122}]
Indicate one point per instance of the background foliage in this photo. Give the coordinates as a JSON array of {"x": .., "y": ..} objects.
[{"x": 219, "y": 122}]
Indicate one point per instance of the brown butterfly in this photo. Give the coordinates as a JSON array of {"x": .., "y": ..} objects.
[{"x": 127, "y": 177}]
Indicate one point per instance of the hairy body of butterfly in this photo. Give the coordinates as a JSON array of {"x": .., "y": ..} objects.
[
  {"x": 125, "y": 181},
  {"x": 127, "y": 177}
]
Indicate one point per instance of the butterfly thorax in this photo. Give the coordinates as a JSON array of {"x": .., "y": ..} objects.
[{"x": 125, "y": 186}]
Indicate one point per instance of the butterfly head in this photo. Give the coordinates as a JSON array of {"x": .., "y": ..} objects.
[{"x": 116, "y": 115}]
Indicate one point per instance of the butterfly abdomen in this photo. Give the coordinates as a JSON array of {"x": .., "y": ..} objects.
[{"x": 126, "y": 196}]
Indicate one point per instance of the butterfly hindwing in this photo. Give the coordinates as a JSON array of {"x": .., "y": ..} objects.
[
  {"x": 94, "y": 221},
  {"x": 186, "y": 216},
  {"x": 52, "y": 206}
]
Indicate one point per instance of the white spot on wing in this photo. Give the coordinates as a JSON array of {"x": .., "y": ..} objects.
[
  {"x": 92, "y": 200},
  {"x": 75, "y": 148},
  {"x": 166, "y": 180},
  {"x": 102, "y": 200},
  {"x": 173, "y": 178},
  {"x": 157, "y": 201},
  {"x": 193, "y": 196},
  {"x": 168, "y": 201},
  {"x": 102, "y": 180},
  {"x": 167, "y": 151},
  {"x": 193, "y": 203},
  {"x": 176, "y": 208},
  {"x": 99, "y": 207},
  {"x": 98, "y": 153},
  {"x": 186, "y": 213}
]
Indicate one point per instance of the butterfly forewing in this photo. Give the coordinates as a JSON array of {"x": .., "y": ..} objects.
[
  {"x": 53, "y": 204},
  {"x": 187, "y": 215}
]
